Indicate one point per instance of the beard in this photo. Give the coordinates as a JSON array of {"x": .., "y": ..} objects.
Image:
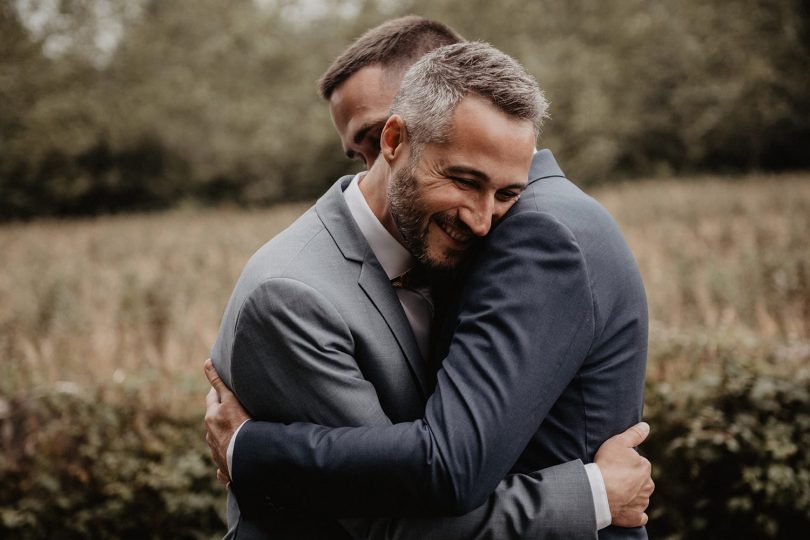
[
  {"x": 412, "y": 219},
  {"x": 408, "y": 211}
]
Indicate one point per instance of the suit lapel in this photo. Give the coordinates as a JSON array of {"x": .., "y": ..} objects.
[
  {"x": 375, "y": 284},
  {"x": 337, "y": 219}
]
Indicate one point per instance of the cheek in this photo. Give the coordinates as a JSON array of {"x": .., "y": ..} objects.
[{"x": 443, "y": 200}]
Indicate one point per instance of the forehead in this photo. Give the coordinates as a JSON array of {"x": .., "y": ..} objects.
[
  {"x": 483, "y": 138},
  {"x": 365, "y": 96}
]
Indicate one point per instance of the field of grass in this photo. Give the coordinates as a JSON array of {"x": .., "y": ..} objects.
[
  {"x": 129, "y": 306},
  {"x": 132, "y": 301}
]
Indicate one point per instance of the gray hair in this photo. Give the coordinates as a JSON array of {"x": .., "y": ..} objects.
[{"x": 436, "y": 84}]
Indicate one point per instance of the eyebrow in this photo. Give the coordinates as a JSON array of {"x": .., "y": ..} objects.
[
  {"x": 363, "y": 131},
  {"x": 358, "y": 137},
  {"x": 462, "y": 169}
]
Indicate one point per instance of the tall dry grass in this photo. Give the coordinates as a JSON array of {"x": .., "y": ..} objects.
[
  {"x": 133, "y": 300},
  {"x": 104, "y": 325},
  {"x": 720, "y": 253},
  {"x": 136, "y": 300}
]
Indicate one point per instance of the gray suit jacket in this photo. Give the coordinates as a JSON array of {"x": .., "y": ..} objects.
[
  {"x": 315, "y": 333},
  {"x": 546, "y": 361}
]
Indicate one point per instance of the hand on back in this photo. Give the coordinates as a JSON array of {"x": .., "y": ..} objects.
[{"x": 627, "y": 476}]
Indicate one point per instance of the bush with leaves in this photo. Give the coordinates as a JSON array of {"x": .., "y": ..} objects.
[
  {"x": 78, "y": 466},
  {"x": 730, "y": 449},
  {"x": 731, "y": 446}
]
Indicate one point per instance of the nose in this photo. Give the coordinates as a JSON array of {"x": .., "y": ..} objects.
[{"x": 478, "y": 216}]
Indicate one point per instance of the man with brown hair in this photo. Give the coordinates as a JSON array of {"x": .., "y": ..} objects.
[
  {"x": 361, "y": 83},
  {"x": 457, "y": 152}
]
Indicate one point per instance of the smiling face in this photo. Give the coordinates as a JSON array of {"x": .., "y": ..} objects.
[
  {"x": 360, "y": 107},
  {"x": 444, "y": 196}
]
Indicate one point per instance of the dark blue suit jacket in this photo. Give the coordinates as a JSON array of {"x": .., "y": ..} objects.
[{"x": 545, "y": 360}]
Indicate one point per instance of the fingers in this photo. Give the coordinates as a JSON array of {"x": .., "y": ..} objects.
[
  {"x": 219, "y": 460},
  {"x": 646, "y": 465},
  {"x": 222, "y": 477},
  {"x": 634, "y": 435},
  {"x": 211, "y": 406},
  {"x": 633, "y": 515},
  {"x": 213, "y": 377},
  {"x": 629, "y": 519},
  {"x": 211, "y": 398}
]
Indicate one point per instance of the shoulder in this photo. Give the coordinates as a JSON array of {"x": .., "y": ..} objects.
[
  {"x": 563, "y": 208},
  {"x": 567, "y": 203},
  {"x": 555, "y": 221},
  {"x": 301, "y": 265},
  {"x": 304, "y": 252},
  {"x": 286, "y": 249},
  {"x": 551, "y": 214},
  {"x": 284, "y": 302}
]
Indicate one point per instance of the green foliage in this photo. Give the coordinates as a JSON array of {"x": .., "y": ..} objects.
[
  {"x": 85, "y": 466},
  {"x": 128, "y": 306},
  {"x": 652, "y": 88},
  {"x": 731, "y": 443},
  {"x": 210, "y": 101},
  {"x": 730, "y": 449}
]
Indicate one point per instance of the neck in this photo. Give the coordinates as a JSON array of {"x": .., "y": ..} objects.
[{"x": 374, "y": 187}]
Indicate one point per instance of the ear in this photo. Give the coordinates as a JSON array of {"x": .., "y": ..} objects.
[{"x": 393, "y": 138}]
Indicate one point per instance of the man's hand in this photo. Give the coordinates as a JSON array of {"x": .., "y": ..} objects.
[
  {"x": 627, "y": 476},
  {"x": 223, "y": 415}
]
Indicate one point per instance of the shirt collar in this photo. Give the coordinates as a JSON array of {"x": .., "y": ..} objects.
[{"x": 393, "y": 257}]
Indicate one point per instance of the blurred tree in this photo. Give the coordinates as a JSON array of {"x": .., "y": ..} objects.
[
  {"x": 230, "y": 90},
  {"x": 87, "y": 30},
  {"x": 646, "y": 88},
  {"x": 115, "y": 104}
]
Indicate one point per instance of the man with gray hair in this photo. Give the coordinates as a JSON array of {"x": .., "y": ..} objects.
[
  {"x": 425, "y": 110},
  {"x": 310, "y": 325}
]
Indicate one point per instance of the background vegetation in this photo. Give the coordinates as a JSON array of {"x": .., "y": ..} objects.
[
  {"x": 108, "y": 105},
  {"x": 104, "y": 324},
  {"x": 204, "y": 106}
]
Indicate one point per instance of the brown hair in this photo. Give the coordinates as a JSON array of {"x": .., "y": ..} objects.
[{"x": 394, "y": 44}]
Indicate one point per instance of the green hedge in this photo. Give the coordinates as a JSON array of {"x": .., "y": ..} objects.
[
  {"x": 76, "y": 466},
  {"x": 730, "y": 448}
]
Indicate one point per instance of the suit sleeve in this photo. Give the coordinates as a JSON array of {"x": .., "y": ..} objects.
[
  {"x": 293, "y": 359},
  {"x": 520, "y": 339}
]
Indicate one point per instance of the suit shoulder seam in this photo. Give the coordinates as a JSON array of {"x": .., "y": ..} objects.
[{"x": 267, "y": 279}]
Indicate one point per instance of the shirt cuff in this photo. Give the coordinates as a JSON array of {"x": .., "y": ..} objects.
[
  {"x": 600, "y": 500},
  {"x": 232, "y": 443}
]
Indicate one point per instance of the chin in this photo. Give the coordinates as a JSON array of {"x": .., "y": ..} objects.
[{"x": 442, "y": 259}]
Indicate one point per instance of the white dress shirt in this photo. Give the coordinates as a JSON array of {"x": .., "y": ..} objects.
[{"x": 395, "y": 261}]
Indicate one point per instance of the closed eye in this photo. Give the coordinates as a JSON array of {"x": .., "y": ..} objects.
[
  {"x": 464, "y": 182},
  {"x": 508, "y": 195},
  {"x": 355, "y": 156}
]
